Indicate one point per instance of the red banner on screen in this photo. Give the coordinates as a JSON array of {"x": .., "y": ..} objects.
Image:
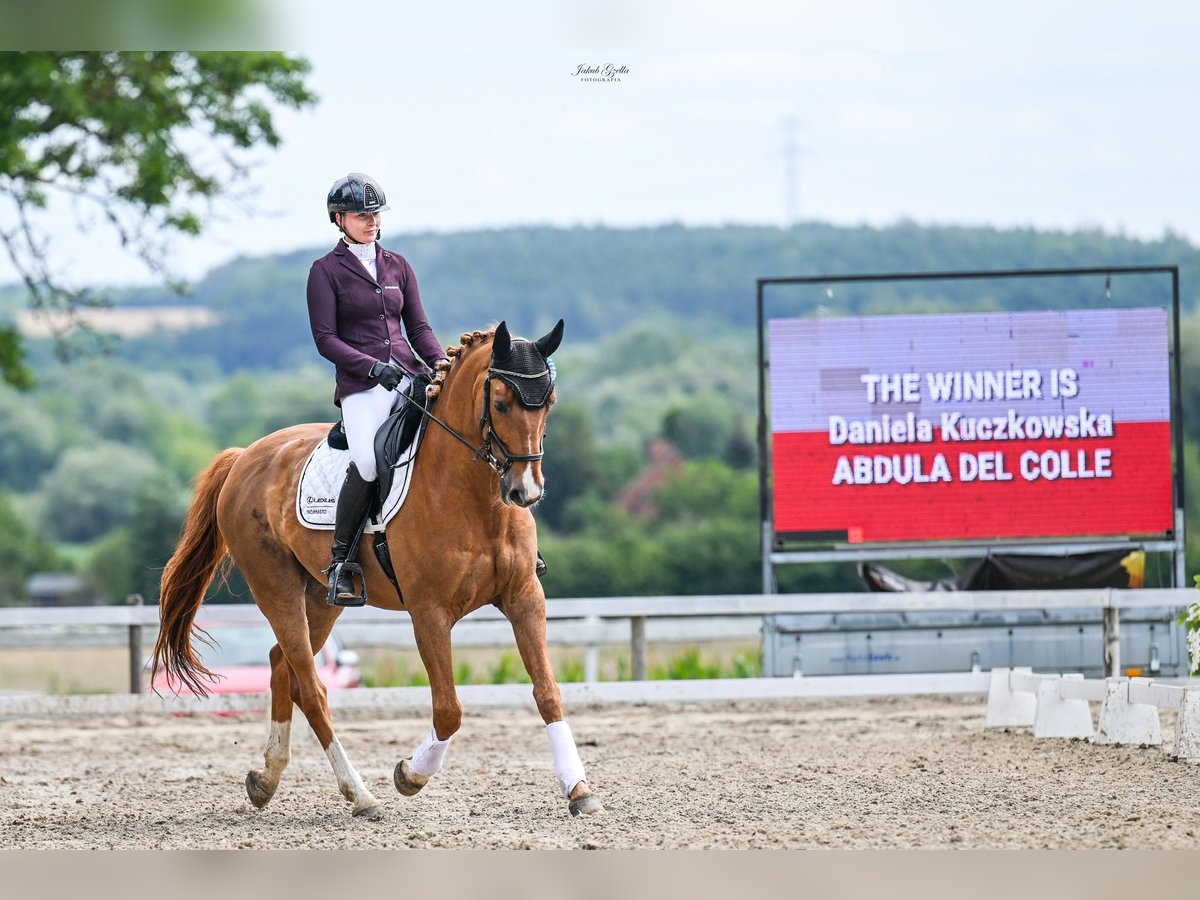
[{"x": 1118, "y": 485}]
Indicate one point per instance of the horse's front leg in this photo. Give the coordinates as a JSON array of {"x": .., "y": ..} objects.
[
  {"x": 432, "y": 631},
  {"x": 529, "y": 628}
]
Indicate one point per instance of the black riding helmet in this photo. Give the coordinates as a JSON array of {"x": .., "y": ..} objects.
[{"x": 355, "y": 192}]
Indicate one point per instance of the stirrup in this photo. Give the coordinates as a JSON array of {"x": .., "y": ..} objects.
[
  {"x": 335, "y": 572},
  {"x": 539, "y": 567}
]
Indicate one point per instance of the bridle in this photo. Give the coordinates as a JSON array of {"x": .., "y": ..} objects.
[
  {"x": 489, "y": 433},
  {"x": 484, "y": 451}
]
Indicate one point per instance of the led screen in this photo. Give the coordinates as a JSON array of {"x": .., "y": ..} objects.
[{"x": 980, "y": 426}]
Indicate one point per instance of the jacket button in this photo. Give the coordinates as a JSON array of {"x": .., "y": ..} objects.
[
  {"x": 387, "y": 342},
  {"x": 378, "y": 290},
  {"x": 382, "y": 316}
]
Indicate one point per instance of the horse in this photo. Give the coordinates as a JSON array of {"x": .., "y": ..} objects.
[{"x": 464, "y": 538}]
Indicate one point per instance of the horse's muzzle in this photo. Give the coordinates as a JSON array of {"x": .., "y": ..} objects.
[{"x": 520, "y": 490}]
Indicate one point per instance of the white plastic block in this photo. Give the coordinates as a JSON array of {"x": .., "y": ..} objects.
[
  {"x": 1122, "y": 722},
  {"x": 1007, "y": 708},
  {"x": 1187, "y": 728},
  {"x": 1059, "y": 718}
]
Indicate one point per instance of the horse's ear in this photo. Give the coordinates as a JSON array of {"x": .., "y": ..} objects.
[
  {"x": 548, "y": 344},
  {"x": 502, "y": 342}
]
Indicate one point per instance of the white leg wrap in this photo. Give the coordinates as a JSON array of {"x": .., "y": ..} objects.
[
  {"x": 568, "y": 767},
  {"x": 427, "y": 759}
]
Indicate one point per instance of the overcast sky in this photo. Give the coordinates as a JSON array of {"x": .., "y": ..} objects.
[{"x": 1077, "y": 117}]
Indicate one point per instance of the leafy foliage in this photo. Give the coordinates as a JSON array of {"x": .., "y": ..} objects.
[
  {"x": 87, "y": 493},
  {"x": 130, "y": 559},
  {"x": 22, "y": 552},
  {"x": 29, "y": 440},
  {"x": 576, "y": 464},
  {"x": 116, "y": 131},
  {"x": 1190, "y": 620}
]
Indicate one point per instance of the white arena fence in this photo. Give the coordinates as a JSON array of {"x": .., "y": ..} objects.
[{"x": 591, "y": 622}]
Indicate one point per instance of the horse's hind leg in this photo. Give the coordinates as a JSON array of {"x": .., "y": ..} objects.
[
  {"x": 261, "y": 784},
  {"x": 529, "y": 628},
  {"x": 291, "y": 621},
  {"x": 321, "y": 617}
]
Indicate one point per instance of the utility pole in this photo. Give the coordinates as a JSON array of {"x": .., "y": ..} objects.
[{"x": 791, "y": 163}]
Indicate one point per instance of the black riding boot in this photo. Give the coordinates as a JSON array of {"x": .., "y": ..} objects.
[{"x": 354, "y": 502}]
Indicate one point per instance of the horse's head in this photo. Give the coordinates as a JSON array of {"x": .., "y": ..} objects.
[
  {"x": 517, "y": 394},
  {"x": 512, "y": 388}
]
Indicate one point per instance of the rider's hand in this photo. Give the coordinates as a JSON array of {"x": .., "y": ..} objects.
[{"x": 389, "y": 375}]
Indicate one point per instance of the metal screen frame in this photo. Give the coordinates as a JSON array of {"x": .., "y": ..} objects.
[{"x": 773, "y": 555}]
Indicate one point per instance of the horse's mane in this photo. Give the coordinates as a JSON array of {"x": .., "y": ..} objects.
[{"x": 466, "y": 341}]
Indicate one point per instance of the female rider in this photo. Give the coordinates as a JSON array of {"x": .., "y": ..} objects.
[{"x": 359, "y": 296}]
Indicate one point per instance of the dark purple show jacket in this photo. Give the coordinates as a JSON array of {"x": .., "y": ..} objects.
[{"x": 355, "y": 318}]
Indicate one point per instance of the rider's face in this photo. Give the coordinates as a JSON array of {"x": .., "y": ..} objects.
[{"x": 360, "y": 226}]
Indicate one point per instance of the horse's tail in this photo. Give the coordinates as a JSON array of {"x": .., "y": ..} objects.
[{"x": 188, "y": 573}]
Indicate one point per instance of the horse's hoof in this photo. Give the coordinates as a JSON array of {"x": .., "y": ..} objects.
[
  {"x": 408, "y": 782},
  {"x": 370, "y": 813},
  {"x": 260, "y": 795},
  {"x": 587, "y": 805}
]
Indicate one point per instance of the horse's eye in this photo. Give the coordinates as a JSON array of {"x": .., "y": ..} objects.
[{"x": 501, "y": 406}]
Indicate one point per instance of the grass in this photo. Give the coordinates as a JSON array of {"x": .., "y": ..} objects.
[
  {"x": 691, "y": 664},
  {"x": 397, "y": 668}
]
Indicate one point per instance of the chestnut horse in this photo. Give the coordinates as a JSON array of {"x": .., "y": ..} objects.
[{"x": 464, "y": 538}]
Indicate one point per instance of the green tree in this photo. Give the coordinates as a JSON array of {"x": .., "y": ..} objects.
[
  {"x": 89, "y": 492},
  {"x": 294, "y": 398},
  {"x": 706, "y": 490},
  {"x": 110, "y": 568},
  {"x": 130, "y": 559},
  {"x": 702, "y": 426},
  {"x": 22, "y": 552},
  {"x": 118, "y": 131},
  {"x": 182, "y": 445},
  {"x": 713, "y": 556},
  {"x": 235, "y": 411},
  {"x": 572, "y": 465},
  {"x": 28, "y": 441},
  {"x": 1189, "y": 339}
]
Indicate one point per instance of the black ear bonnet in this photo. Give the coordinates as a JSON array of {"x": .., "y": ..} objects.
[{"x": 526, "y": 371}]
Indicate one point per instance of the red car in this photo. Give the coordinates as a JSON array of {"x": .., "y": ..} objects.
[{"x": 241, "y": 658}]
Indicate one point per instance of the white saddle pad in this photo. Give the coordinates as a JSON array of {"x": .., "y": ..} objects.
[{"x": 322, "y": 478}]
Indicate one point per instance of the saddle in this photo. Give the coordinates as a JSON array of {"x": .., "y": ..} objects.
[{"x": 394, "y": 437}]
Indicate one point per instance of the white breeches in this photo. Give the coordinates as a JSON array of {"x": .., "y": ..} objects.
[{"x": 362, "y": 414}]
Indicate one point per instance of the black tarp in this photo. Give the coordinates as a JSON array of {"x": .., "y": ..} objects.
[{"x": 997, "y": 572}]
